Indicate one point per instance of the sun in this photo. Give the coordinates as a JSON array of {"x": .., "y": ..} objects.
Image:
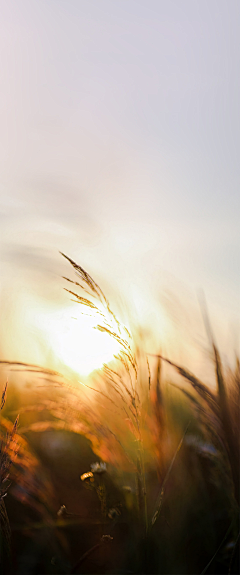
[{"x": 75, "y": 343}]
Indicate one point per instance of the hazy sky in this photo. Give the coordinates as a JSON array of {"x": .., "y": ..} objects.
[{"x": 120, "y": 146}]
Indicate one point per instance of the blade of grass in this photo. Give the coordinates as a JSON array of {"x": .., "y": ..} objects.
[
  {"x": 161, "y": 493},
  {"x": 218, "y": 549}
]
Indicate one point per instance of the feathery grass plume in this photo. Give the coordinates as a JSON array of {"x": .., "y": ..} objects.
[
  {"x": 208, "y": 396},
  {"x": 90, "y": 283},
  {"x": 114, "y": 329},
  {"x": 119, "y": 387}
]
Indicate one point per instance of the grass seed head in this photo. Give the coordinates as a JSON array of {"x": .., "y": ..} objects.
[{"x": 98, "y": 468}]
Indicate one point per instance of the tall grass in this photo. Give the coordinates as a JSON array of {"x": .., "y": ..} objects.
[
  {"x": 175, "y": 463},
  {"x": 218, "y": 412}
]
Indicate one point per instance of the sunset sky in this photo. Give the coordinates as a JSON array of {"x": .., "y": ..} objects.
[{"x": 119, "y": 147}]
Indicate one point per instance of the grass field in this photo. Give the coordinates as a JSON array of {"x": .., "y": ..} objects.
[{"x": 132, "y": 472}]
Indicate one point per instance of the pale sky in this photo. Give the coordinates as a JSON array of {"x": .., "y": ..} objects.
[{"x": 119, "y": 145}]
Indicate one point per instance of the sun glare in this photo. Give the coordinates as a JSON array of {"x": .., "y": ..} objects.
[{"x": 76, "y": 343}]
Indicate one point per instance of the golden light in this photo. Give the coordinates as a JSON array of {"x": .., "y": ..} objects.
[
  {"x": 53, "y": 336},
  {"x": 74, "y": 341}
]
